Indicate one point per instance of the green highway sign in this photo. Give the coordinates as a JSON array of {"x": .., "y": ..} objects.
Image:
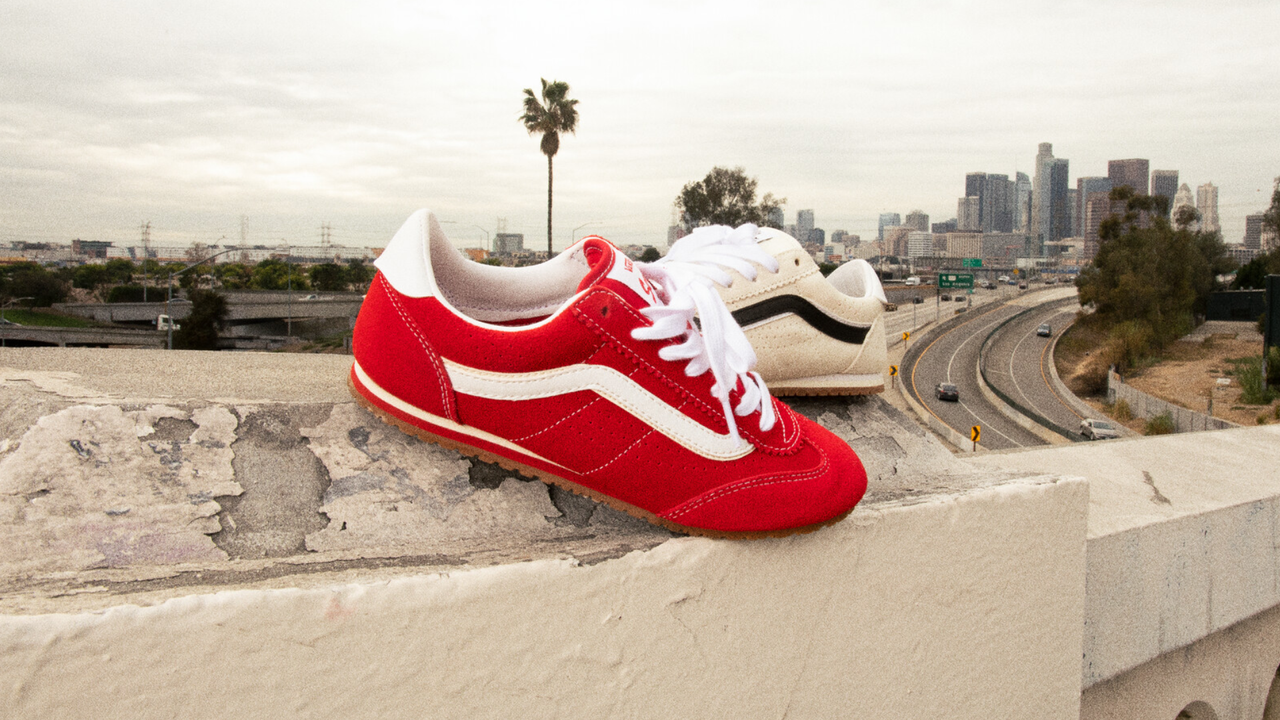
[
  {"x": 971, "y": 262},
  {"x": 955, "y": 280}
]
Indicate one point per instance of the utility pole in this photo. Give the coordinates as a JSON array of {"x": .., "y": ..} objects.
[{"x": 326, "y": 236}]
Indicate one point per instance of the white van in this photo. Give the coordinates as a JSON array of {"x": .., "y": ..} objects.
[{"x": 913, "y": 280}]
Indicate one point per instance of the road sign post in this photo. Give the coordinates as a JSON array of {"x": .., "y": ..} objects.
[
  {"x": 975, "y": 434},
  {"x": 893, "y": 376}
]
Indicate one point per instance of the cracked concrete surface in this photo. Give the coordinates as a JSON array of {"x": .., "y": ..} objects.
[{"x": 126, "y": 476}]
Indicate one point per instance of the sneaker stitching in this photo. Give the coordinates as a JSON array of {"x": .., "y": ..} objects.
[
  {"x": 726, "y": 490},
  {"x": 552, "y": 426},
  {"x": 788, "y": 443},
  {"x": 618, "y": 457},
  {"x": 442, "y": 376}
]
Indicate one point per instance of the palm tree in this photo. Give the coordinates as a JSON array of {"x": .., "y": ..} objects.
[{"x": 556, "y": 114}]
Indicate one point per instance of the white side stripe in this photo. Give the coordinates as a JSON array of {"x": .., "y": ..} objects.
[
  {"x": 608, "y": 383},
  {"x": 443, "y": 422}
]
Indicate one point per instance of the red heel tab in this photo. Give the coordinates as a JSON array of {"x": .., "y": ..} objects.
[
  {"x": 598, "y": 253},
  {"x": 617, "y": 272}
]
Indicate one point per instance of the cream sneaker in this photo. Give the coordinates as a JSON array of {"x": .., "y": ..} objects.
[{"x": 812, "y": 335}]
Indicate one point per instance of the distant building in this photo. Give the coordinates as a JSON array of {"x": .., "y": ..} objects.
[
  {"x": 804, "y": 224},
  {"x": 1165, "y": 184},
  {"x": 919, "y": 243},
  {"x": 942, "y": 228},
  {"x": 1086, "y": 186},
  {"x": 674, "y": 233},
  {"x": 964, "y": 245},
  {"x": 888, "y": 220},
  {"x": 968, "y": 214},
  {"x": 833, "y": 253},
  {"x": 1097, "y": 207},
  {"x": 818, "y": 236},
  {"x": 1073, "y": 207},
  {"x": 776, "y": 218},
  {"x": 1133, "y": 172},
  {"x": 1050, "y": 210},
  {"x": 917, "y": 220},
  {"x": 1253, "y": 231},
  {"x": 476, "y": 254},
  {"x": 1184, "y": 198},
  {"x": 895, "y": 241},
  {"x": 1060, "y": 209},
  {"x": 1022, "y": 203},
  {"x": 1207, "y": 204},
  {"x": 508, "y": 243},
  {"x": 90, "y": 248},
  {"x": 1242, "y": 254},
  {"x": 837, "y": 236}
]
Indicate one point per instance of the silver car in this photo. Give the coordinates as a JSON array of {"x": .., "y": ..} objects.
[{"x": 1098, "y": 429}]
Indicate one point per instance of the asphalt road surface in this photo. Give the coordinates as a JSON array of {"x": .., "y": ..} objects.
[
  {"x": 953, "y": 357},
  {"x": 1017, "y": 363}
]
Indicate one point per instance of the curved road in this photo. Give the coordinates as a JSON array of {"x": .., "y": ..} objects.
[
  {"x": 953, "y": 357},
  {"x": 1017, "y": 363}
]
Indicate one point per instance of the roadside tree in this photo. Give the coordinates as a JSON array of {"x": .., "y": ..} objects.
[
  {"x": 726, "y": 196},
  {"x": 200, "y": 329},
  {"x": 557, "y": 113},
  {"x": 1149, "y": 280}
]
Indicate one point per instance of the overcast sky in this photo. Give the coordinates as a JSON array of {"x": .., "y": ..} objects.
[{"x": 295, "y": 114}]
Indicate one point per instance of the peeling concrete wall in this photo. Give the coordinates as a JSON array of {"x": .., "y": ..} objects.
[{"x": 965, "y": 606}]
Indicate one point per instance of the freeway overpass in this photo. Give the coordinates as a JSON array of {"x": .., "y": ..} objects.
[{"x": 241, "y": 307}]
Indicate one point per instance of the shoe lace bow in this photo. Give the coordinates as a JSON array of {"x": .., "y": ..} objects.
[{"x": 684, "y": 280}]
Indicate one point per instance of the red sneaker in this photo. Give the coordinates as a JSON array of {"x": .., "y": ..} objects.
[{"x": 591, "y": 375}]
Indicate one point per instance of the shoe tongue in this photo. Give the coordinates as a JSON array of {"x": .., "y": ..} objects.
[{"x": 617, "y": 272}]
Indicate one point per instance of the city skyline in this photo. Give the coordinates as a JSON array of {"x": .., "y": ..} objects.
[{"x": 191, "y": 118}]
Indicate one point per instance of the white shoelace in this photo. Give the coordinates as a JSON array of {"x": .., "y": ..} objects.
[{"x": 684, "y": 280}]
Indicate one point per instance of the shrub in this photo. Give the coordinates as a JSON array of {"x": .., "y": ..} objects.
[
  {"x": 1127, "y": 344},
  {"x": 1121, "y": 411},
  {"x": 1262, "y": 418},
  {"x": 1252, "y": 390},
  {"x": 1273, "y": 366},
  {"x": 130, "y": 293},
  {"x": 1161, "y": 424}
]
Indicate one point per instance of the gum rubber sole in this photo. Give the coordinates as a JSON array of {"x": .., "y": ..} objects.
[{"x": 573, "y": 487}]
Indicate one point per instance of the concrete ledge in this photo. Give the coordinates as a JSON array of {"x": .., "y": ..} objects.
[{"x": 228, "y": 534}]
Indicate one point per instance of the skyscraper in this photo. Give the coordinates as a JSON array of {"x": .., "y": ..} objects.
[
  {"x": 997, "y": 204},
  {"x": 1040, "y": 199},
  {"x": 804, "y": 224},
  {"x": 1022, "y": 203},
  {"x": 776, "y": 218},
  {"x": 1207, "y": 204},
  {"x": 888, "y": 220},
  {"x": 1165, "y": 184},
  {"x": 1097, "y": 206},
  {"x": 1086, "y": 186},
  {"x": 967, "y": 214},
  {"x": 1253, "y": 231},
  {"x": 917, "y": 220},
  {"x": 1059, "y": 205},
  {"x": 1184, "y": 198},
  {"x": 1073, "y": 209},
  {"x": 1132, "y": 172}
]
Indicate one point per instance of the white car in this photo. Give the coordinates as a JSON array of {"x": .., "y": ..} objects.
[{"x": 1098, "y": 429}]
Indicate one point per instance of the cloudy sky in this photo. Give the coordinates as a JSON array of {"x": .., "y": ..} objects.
[{"x": 293, "y": 114}]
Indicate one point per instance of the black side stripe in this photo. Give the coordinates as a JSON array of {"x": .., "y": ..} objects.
[{"x": 805, "y": 310}]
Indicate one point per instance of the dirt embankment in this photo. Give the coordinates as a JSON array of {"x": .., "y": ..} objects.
[{"x": 1187, "y": 374}]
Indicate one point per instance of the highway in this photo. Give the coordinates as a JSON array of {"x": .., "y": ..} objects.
[
  {"x": 1017, "y": 364},
  {"x": 953, "y": 357}
]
